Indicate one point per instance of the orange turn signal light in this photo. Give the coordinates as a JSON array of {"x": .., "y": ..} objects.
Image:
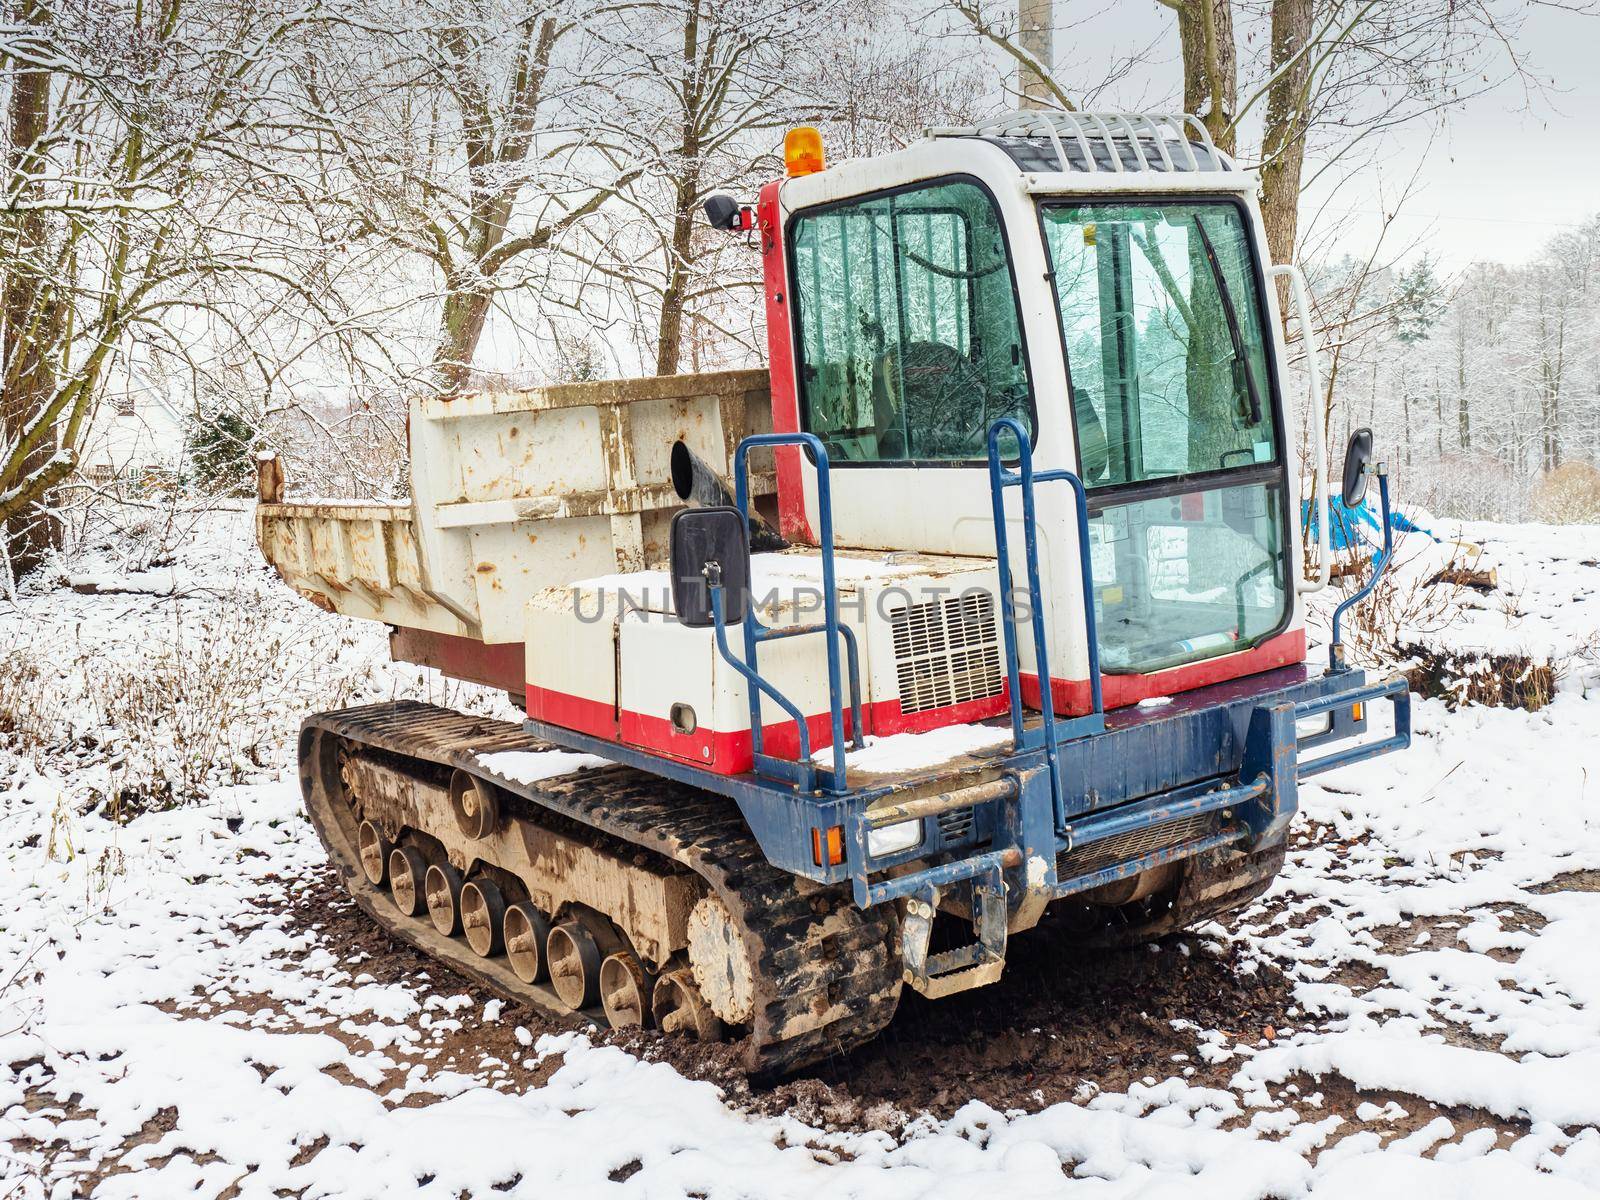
[
  {"x": 802, "y": 151},
  {"x": 1357, "y": 711},
  {"x": 827, "y": 846}
]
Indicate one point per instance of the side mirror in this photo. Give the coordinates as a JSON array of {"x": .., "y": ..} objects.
[
  {"x": 701, "y": 537},
  {"x": 722, "y": 210},
  {"x": 1357, "y": 458}
]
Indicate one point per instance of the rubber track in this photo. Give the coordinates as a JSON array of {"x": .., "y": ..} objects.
[{"x": 827, "y": 973}]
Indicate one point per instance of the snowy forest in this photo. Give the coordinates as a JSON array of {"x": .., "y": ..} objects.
[
  {"x": 231, "y": 226},
  {"x": 1486, "y": 383}
]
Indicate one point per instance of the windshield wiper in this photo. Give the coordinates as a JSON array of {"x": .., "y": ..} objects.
[{"x": 1234, "y": 336}]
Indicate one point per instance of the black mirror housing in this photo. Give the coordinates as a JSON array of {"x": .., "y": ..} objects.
[
  {"x": 701, "y": 537},
  {"x": 1357, "y": 458},
  {"x": 722, "y": 210}
]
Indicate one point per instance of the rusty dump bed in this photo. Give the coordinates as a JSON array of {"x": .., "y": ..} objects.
[{"x": 514, "y": 491}]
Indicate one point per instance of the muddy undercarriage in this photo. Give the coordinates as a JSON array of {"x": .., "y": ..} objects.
[{"x": 614, "y": 896}]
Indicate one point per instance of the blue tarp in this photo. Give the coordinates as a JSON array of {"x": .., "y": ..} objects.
[{"x": 1348, "y": 527}]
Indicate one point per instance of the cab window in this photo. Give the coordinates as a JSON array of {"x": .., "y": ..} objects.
[
  {"x": 1162, "y": 323},
  {"x": 909, "y": 335},
  {"x": 1173, "y": 405}
]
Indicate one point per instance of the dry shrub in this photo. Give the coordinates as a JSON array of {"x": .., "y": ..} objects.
[
  {"x": 29, "y": 708},
  {"x": 200, "y": 707},
  {"x": 1478, "y": 677},
  {"x": 1570, "y": 494},
  {"x": 1418, "y": 595}
]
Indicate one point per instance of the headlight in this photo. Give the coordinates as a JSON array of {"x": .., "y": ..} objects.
[
  {"x": 892, "y": 839},
  {"x": 1313, "y": 726}
]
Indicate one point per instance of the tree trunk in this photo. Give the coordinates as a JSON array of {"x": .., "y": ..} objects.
[
  {"x": 1439, "y": 418},
  {"x": 1210, "y": 67},
  {"x": 1283, "y": 144},
  {"x": 460, "y": 327},
  {"x": 1035, "y": 34},
  {"x": 30, "y": 317},
  {"x": 669, "y": 334},
  {"x": 685, "y": 191}
]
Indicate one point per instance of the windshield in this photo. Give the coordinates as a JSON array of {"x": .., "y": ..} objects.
[
  {"x": 1162, "y": 323},
  {"x": 1172, "y": 402}
]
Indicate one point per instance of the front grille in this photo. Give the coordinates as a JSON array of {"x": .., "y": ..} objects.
[
  {"x": 956, "y": 824},
  {"x": 1096, "y": 856},
  {"x": 946, "y": 652}
]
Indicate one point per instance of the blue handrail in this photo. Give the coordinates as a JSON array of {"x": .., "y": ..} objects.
[
  {"x": 753, "y": 630},
  {"x": 1024, "y": 478}
]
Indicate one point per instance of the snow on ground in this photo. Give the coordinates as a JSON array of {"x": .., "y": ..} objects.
[
  {"x": 167, "y": 1029},
  {"x": 1546, "y": 606},
  {"x": 1549, "y": 594}
]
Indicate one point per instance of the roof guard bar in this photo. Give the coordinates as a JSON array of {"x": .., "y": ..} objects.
[
  {"x": 1107, "y": 130},
  {"x": 1104, "y": 131},
  {"x": 1124, "y": 128},
  {"x": 1155, "y": 136}
]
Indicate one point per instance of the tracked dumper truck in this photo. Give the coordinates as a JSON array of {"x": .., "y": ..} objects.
[{"x": 982, "y": 607}]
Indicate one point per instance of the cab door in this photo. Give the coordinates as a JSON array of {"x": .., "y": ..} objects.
[{"x": 908, "y": 345}]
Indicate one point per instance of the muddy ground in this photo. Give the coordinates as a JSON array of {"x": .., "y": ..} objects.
[{"x": 1063, "y": 1021}]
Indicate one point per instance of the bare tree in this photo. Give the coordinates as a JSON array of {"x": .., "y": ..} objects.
[
  {"x": 698, "y": 96},
  {"x": 454, "y": 142},
  {"x": 135, "y": 200},
  {"x": 880, "y": 82},
  {"x": 1335, "y": 74}
]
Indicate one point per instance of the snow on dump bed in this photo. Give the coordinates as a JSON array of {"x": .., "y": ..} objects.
[{"x": 167, "y": 1028}]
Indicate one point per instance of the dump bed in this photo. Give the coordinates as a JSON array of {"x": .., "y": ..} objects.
[{"x": 514, "y": 491}]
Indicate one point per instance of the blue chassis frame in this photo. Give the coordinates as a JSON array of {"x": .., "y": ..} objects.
[{"x": 1230, "y": 749}]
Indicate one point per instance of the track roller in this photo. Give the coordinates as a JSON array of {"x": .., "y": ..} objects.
[
  {"x": 474, "y": 804},
  {"x": 720, "y": 964},
  {"x": 625, "y": 990},
  {"x": 442, "y": 886},
  {"x": 524, "y": 932},
  {"x": 574, "y": 963},
  {"x": 482, "y": 912},
  {"x": 407, "y": 874},
  {"x": 680, "y": 1008},
  {"x": 374, "y": 850}
]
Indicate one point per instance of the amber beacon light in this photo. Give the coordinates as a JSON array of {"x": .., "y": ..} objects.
[{"x": 802, "y": 151}]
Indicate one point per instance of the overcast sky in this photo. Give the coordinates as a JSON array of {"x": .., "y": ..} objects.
[{"x": 1499, "y": 179}]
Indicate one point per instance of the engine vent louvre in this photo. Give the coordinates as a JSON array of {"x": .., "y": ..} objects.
[
  {"x": 956, "y": 824},
  {"x": 947, "y": 652}
]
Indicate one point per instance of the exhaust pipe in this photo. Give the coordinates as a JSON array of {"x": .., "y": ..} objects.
[{"x": 699, "y": 486}]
